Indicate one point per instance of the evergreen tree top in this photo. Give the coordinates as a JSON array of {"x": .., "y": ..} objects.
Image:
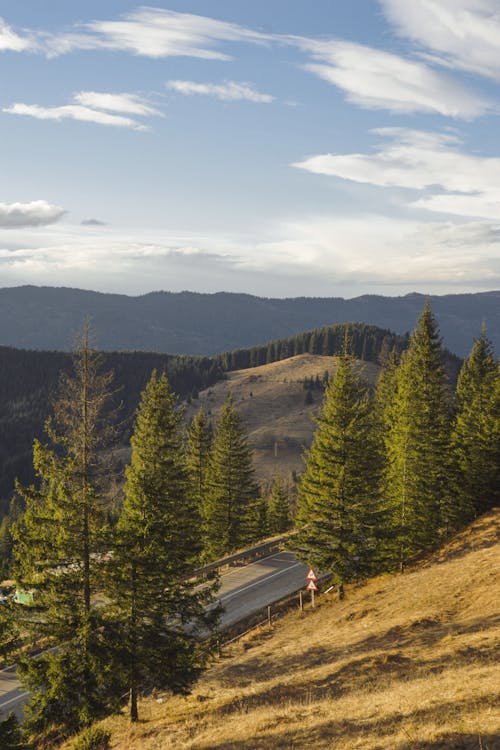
[{"x": 479, "y": 366}]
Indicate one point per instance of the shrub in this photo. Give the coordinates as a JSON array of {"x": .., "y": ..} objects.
[{"x": 93, "y": 738}]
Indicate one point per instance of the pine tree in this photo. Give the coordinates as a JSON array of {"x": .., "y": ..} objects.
[
  {"x": 338, "y": 508},
  {"x": 57, "y": 544},
  {"x": 6, "y": 540},
  {"x": 386, "y": 396},
  {"x": 230, "y": 515},
  {"x": 161, "y": 617},
  {"x": 475, "y": 442},
  {"x": 417, "y": 442},
  {"x": 278, "y": 513},
  {"x": 11, "y": 736},
  {"x": 9, "y": 634},
  {"x": 261, "y": 517},
  {"x": 198, "y": 442}
]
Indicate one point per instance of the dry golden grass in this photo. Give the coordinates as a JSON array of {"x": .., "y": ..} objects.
[
  {"x": 405, "y": 662},
  {"x": 271, "y": 400}
]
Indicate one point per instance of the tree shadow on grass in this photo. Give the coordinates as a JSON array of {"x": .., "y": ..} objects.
[
  {"x": 374, "y": 671},
  {"x": 335, "y": 732},
  {"x": 426, "y": 633},
  {"x": 456, "y": 741},
  {"x": 483, "y": 534}
]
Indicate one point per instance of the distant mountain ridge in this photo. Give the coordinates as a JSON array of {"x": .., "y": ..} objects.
[{"x": 193, "y": 323}]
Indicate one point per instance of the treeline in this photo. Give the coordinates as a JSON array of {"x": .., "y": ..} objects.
[
  {"x": 391, "y": 474},
  {"x": 29, "y": 379},
  {"x": 368, "y": 343}
]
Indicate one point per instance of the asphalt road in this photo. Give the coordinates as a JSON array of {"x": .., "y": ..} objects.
[
  {"x": 12, "y": 695},
  {"x": 243, "y": 592}
]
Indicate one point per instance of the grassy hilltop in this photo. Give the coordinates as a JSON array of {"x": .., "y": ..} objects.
[
  {"x": 272, "y": 401},
  {"x": 405, "y": 662}
]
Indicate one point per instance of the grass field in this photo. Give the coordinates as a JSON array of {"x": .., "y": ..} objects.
[
  {"x": 271, "y": 400},
  {"x": 405, "y": 662}
]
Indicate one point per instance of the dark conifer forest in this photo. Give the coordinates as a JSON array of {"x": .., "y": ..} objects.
[{"x": 29, "y": 380}]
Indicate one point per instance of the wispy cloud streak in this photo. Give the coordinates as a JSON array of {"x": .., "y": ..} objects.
[
  {"x": 449, "y": 179},
  {"x": 376, "y": 79},
  {"x": 463, "y": 34},
  {"x": 227, "y": 91},
  {"x": 91, "y": 106}
]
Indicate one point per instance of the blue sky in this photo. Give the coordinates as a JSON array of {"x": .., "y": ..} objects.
[{"x": 277, "y": 147}]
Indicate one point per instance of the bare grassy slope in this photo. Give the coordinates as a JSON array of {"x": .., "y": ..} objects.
[
  {"x": 405, "y": 662},
  {"x": 271, "y": 399}
]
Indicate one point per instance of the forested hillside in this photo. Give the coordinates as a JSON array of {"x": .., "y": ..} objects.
[
  {"x": 189, "y": 323},
  {"x": 29, "y": 380},
  {"x": 364, "y": 342}
]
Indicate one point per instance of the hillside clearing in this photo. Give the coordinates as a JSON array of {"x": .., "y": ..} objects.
[
  {"x": 271, "y": 400},
  {"x": 406, "y": 661}
]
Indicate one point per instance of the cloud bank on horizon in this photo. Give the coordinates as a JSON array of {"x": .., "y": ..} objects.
[{"x": 383, "y": 176}]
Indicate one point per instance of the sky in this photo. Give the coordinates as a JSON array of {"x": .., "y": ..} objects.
[{"x": 273, "y": 147}]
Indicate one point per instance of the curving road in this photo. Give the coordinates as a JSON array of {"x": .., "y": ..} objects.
[{"x": 243, "y": 592}]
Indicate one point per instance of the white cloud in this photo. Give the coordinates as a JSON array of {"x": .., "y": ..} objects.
[
  {"x": 157, "y": 33},
  {"x": 416, "y": 160},
  {"x": 376, "y": 252},
  {"x": 92, "y": 106},
  {"x": 308, "y": 255},
  {"x": 130, "y": 104},
  {"x": 33, "y": 214},
  {"x": 72, "y": 112},
  {"x": 463, "y": 34},
  {"x": 10, "y": 41},
  {"x": 228, "y": 91},
  {"x": 89, "y": 107},
  {"x": 376, "y": 79}
]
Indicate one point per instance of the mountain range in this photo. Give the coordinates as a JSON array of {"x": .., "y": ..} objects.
[{"x": 191, "y": 323}]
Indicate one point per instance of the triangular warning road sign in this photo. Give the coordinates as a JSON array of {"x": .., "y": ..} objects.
[
  {"x": 311, "y": 576},
  {"x": 311, "y": 586}
]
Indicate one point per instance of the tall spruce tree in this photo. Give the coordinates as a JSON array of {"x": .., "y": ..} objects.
[
  {"x": 57, "y": 546},
  {"x": 9, "y": 634},
  {"x": 279, "y": 518},
  {"x": 385, "y": 398},
  {"x": 338, "y": 510},
  {"x": 161, "y": 617},
  {"x": 6, "y": 541},
  {"x": 198, "y": 442},
  {"x": 230, "y": 512},
  {"x": 416, "y": 436},
  {"x": 475, "y": 442}
]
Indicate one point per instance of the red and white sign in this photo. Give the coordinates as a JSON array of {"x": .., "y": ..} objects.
[
  {"x": 311, "y": 576},
  {"x": 311, "y": 586}
]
